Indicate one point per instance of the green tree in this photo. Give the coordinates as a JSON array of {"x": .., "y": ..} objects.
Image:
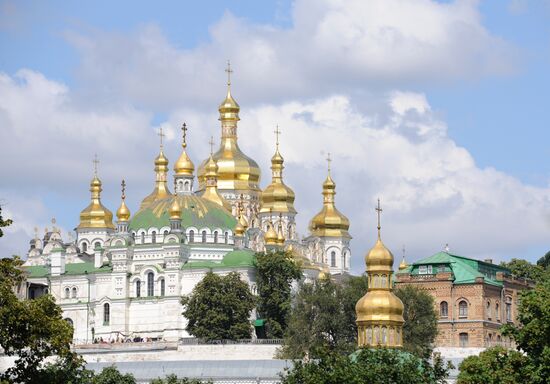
[
  {"x": 495, "y": 365},
  {"x": 4, "y": 222},
  {"x": 173, "y": 379},
  {"x": 544, "y": 261},
  {"x": 111, "y": 375},
  {"x": 373, "y": 366},
  {"x": 523, "y": 268},
  {"x": 275, "y": 273},
  {"x": 420, "y": 328},
  {"x": 33, "y": 330},
  {"x": 323, "y": 318},
  {"x": 219, "y": 308}
]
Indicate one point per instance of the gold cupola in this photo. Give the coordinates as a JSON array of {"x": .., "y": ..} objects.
[
  {"x": 379, "y": 312},
  {"x": 211, "y": 190},
  {"x": 277, "y": 196},
  {"x": 161, "y": 170},
  {"x": 123, "y": 213},
  {"x": 403, "y": 264},
  {"x": 329, "y": 222},
  {"x": 236, "y": 171},
  {"x": 242, "y": 223},
  {"x": 96, "y": 215},
  {"x": 175, "y": 209},
  {"x": 184, "y": 166},
  {"x": 270, "y": 236}
]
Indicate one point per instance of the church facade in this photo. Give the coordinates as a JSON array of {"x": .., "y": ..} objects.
[{"x": 125, "y": 279}]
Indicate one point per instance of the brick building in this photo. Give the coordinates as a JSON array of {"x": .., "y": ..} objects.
[{"x": 473, "y": 298}]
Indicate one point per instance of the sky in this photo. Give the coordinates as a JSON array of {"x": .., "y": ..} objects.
[{"x": 438, "y": 108}]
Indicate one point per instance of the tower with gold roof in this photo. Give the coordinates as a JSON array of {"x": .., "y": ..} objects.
[
  {"x": 237, "y": 173},
  {"x": 184, "y": 169},
  {"x": 161, "y": 171},
  {"x": 379, "y": 312},
  {"x": 329, "y": 239}
]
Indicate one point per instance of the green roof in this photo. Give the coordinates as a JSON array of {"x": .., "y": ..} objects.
[
  {"x": 233, "y": 259},
  {"x": 465, "y": 270},
  {"x": 195, "y": 212},
  {"x": 70, "y": 269}
]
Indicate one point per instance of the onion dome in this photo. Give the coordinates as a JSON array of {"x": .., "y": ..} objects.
[
  {"x": 379, "y": 312},
  {"x": 175, "y": 209},
  {"x": 211, "y": 190},
  {"x": 242, "y": 223},
  {"x": 96, "y": 215},
  {"x": 123, "y": 213},
  {"x": 403, "y": 264},
  {"x": 270, "y": 237},
  {"x": 280, "y": 236},
  {"x": 161, "y": 188},
  {"x": 239, "y": 229},
  {"x": 329, "y": 221},
  {"x": 324, "y": 273},
  {"x": 277, "y": 196},
  {"x": 236, "y": 171},
  {"x": 184, "y": 166}
]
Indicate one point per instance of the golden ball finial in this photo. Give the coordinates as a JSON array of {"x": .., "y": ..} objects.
[
  {"x": 175, "y": 209},
  {"x": 123, "y": 213}
]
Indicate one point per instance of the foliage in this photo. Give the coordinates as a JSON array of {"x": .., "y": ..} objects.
[
  {"x": 495, "y": 365},
  {"x": 523, "y": 268},
  {"x": 544, "y": 261},
  {"x": 420, "y": 328},
  {"x": 373, "y": 366},
  {"x": 4, "y": 222},
  {"x": 111, "y": 375},
  {"x": 275, "y": 273},
  {"x": 219, "y": 308},
  {"x": 173, "y": 379},
  {"x": 323, "y": 318},
  {"x": 532, "y": 336},
  {"x": 32, "y": 330}
]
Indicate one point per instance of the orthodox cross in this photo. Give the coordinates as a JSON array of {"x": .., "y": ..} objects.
[
  {"x": 96, "y": 163},
  {"x": 123, "y": 185},
  {"x": 36, "y": 233},
  {"x": 229, "y": 71},
  {"x": 184, "y": 129},
  {"x": 211, "y": 142},
  {"x": 161, "y": 135},
  {"x": 277, "y": 133},
  {"x": 329, "y": 160},
  {"x": 378, "y": 211}
]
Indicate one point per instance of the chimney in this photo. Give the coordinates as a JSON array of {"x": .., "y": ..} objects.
[{"x": 488, "y": 261}]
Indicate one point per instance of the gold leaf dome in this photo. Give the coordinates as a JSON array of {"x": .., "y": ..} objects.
[
  {"x": 379, "y": 306},
  {"x": 329, "y": 221},
  {"x": 123, "y": 213},
  {"x": 184, "y": 165},
  {"x": 277, "y": 197},
  {"x": 175, "y": 209},
  {"x": 96, "y": 215},
  {"x": 270, "y": 236},
  {"x": 161, "y": 188},
  {"x": 211, "y": 188},
  {"x": 239, "y": 229}
]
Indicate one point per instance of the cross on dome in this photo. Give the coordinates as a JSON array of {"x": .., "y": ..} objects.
[
  {"x": 211, "y": 142},
  {"x": 184, "y": 129},
  {"x": 277, "y": 133},
  {"x": 161, "y": 135},
  {"x": 123, "y": 185},
  {"x": 96, "y": 163},
  {"x": 379, "y": 212},
  {"x": 229, "y": 71},
  {"x": 329, "y": 160}
]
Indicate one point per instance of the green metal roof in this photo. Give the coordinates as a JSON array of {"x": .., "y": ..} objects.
[
  {"x": 70, "y": 269},
  {"x": 233, "y": 259},
  {"x": 464, "y": 269},
  {"x": 195, "y": 212}
]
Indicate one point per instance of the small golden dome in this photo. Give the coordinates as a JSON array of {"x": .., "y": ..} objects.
[
  {"x": 175, "y": 210},
  {"x": 280, "y": 237},
  {"x": 403, "y": 264},
  {"x": 239, "y": 229},
  {"x": 96, "y": 215},
  {"x": 329, "y": 222},
  {"x": 161, "y": 160},
  {"x": 270, "y": 236},
  {"x": 161, "y": 189},
  {"x": 211, "y": 188},
  {"x": 229, "y": 108},
  {"x": 277, "y": 197},
  {"x": 123, "y": 213},
  {"x": 379, "y": 257},
  {"x": 380, "y": 306},
  {"x": 184, "y": 165},
  {"x": 324, "y": 273}
]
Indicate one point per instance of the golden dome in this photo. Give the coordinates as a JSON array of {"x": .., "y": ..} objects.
[
  {"x": 236, "y": 171},
  {"x": 324, "y": 273},
  {"x": 329, "y": 222},
  {"x": 96, "y": 215},
  {"x": 239, "y": 229},
  {"x": 277, "y": 196},
  {"x": 380, "y": 306},
  {"x": 270, "y": 236},
  {"x": 379, "y": 257},
  {"x": 184, "y": 165},
  {"x": 280, "y": 236},
  {"x": 403, "y": 264},
  {"x": 211, "y": 189},
  {"x": 161, "y": 189},
  {"x": 175, "y": 210}
]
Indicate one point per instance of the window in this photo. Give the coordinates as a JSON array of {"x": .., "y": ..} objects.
[
  {"x": 142, "y": 237},
  {"x": 463, "y": 309},
  {"x": 489, "y": 314},
  {"x": 376, "y": 281},
  {"x": 289, "y": 229},
  {"x": 73, "y": 295},
  {"x": 497, "y": 310},
  {"x": 425, "y": 270},
  {"x": 508, "y": 309},
  {"x": 443, "y": 309},
  {"x": 106, "y": 313},
  {"x": 150, "y": 284},
  {"x": 441, "y": 268},
  {"x": 463, "y": 339},
  {"x": 162, "y": 288},
  {"x": 226, "y": 237},
  {"x": 191, "y": 236},
  {"x": 383, "y": 281},
  {"x": 215, "y": 237},
  {"x": 333, "y": 259},
  {"x": 165, "y": 233},
  {"x": 97, "y": 245},
  {"x": 138, "y": 288},
  {"x": 204, "y": 236},
  {"x": 134, "y": 236},
  {"x": 67, "y": 292},
  {"x": 153, "y": 237},
  {"x": 84, "y": 247}
]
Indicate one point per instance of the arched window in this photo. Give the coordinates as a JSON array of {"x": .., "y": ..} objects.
[
  {"x": 165, "y": 233},
  {"x": 289, "y": 229},
  {"x": 97, "y": 245},
  {"x": 384, "y": 281},
  {"x": 150, "y": 284},
  {"x": 204, "y": 236},
  {"x": 497, "y": 311},
  {"x": 508, "y": 309},
  {"x": 216, "y": 237},
  {"x": 106, "y": 313},
  {"x": 226, "y": 237},
  {"x": 138, "y": 288},
  {"x": 191, "y": 236},
  {"x": 84, "y": 247},
  {"x": 463, "y": 309},
  {"x": 153, "y": 237},
  {"x": 187, "y": 184},
  {"x": 134, "y": 236},
  {"x": 489, "y": 314},
  {"x": 333, "y": 259},
  {"x": 67, "y": 292},
  {"x": 443, "y": 309},
  {"x": 376, "y": 281},
  {"x": 162, "y": 287},
  {"x": 73, "y": 295},
  {"x": 463, "y": 339},
  {"x": 142, "y": 237}
]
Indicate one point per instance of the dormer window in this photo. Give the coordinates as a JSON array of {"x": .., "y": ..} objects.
[{"x": 425, "y": 270}]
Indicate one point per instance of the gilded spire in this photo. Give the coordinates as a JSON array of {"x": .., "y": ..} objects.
[
  {"x": 242, "y": 223},
  {"x": 161, "y": 169},
  {"x": 123, "y": 213},
  {"x": 175, "y": 209},
  {"x": 270, "y": 237},
  {"x": 95, "y": 215},
  {"x": 229, "y": 109},
  {"x": 184, "y": 166},
  {"x": 403, "y": 263},
  {"x": 280, "y": 235},
  {"x": 211, "y": 191},
  {"x": 379, "y": 312}
]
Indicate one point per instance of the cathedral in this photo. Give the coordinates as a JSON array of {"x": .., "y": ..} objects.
[{"x": 125, "y": 279}]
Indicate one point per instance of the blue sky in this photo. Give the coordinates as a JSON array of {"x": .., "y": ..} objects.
[{"x": 488, "y": 88}]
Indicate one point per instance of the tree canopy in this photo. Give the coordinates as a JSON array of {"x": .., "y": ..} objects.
[
  {"x": 523, "y": 268},
  {"x": 4, "y": 222},
  {"x": 275, "y": 273},
  {"x": 420, "y": 328},
  {"x": 219, "y": 308}
]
